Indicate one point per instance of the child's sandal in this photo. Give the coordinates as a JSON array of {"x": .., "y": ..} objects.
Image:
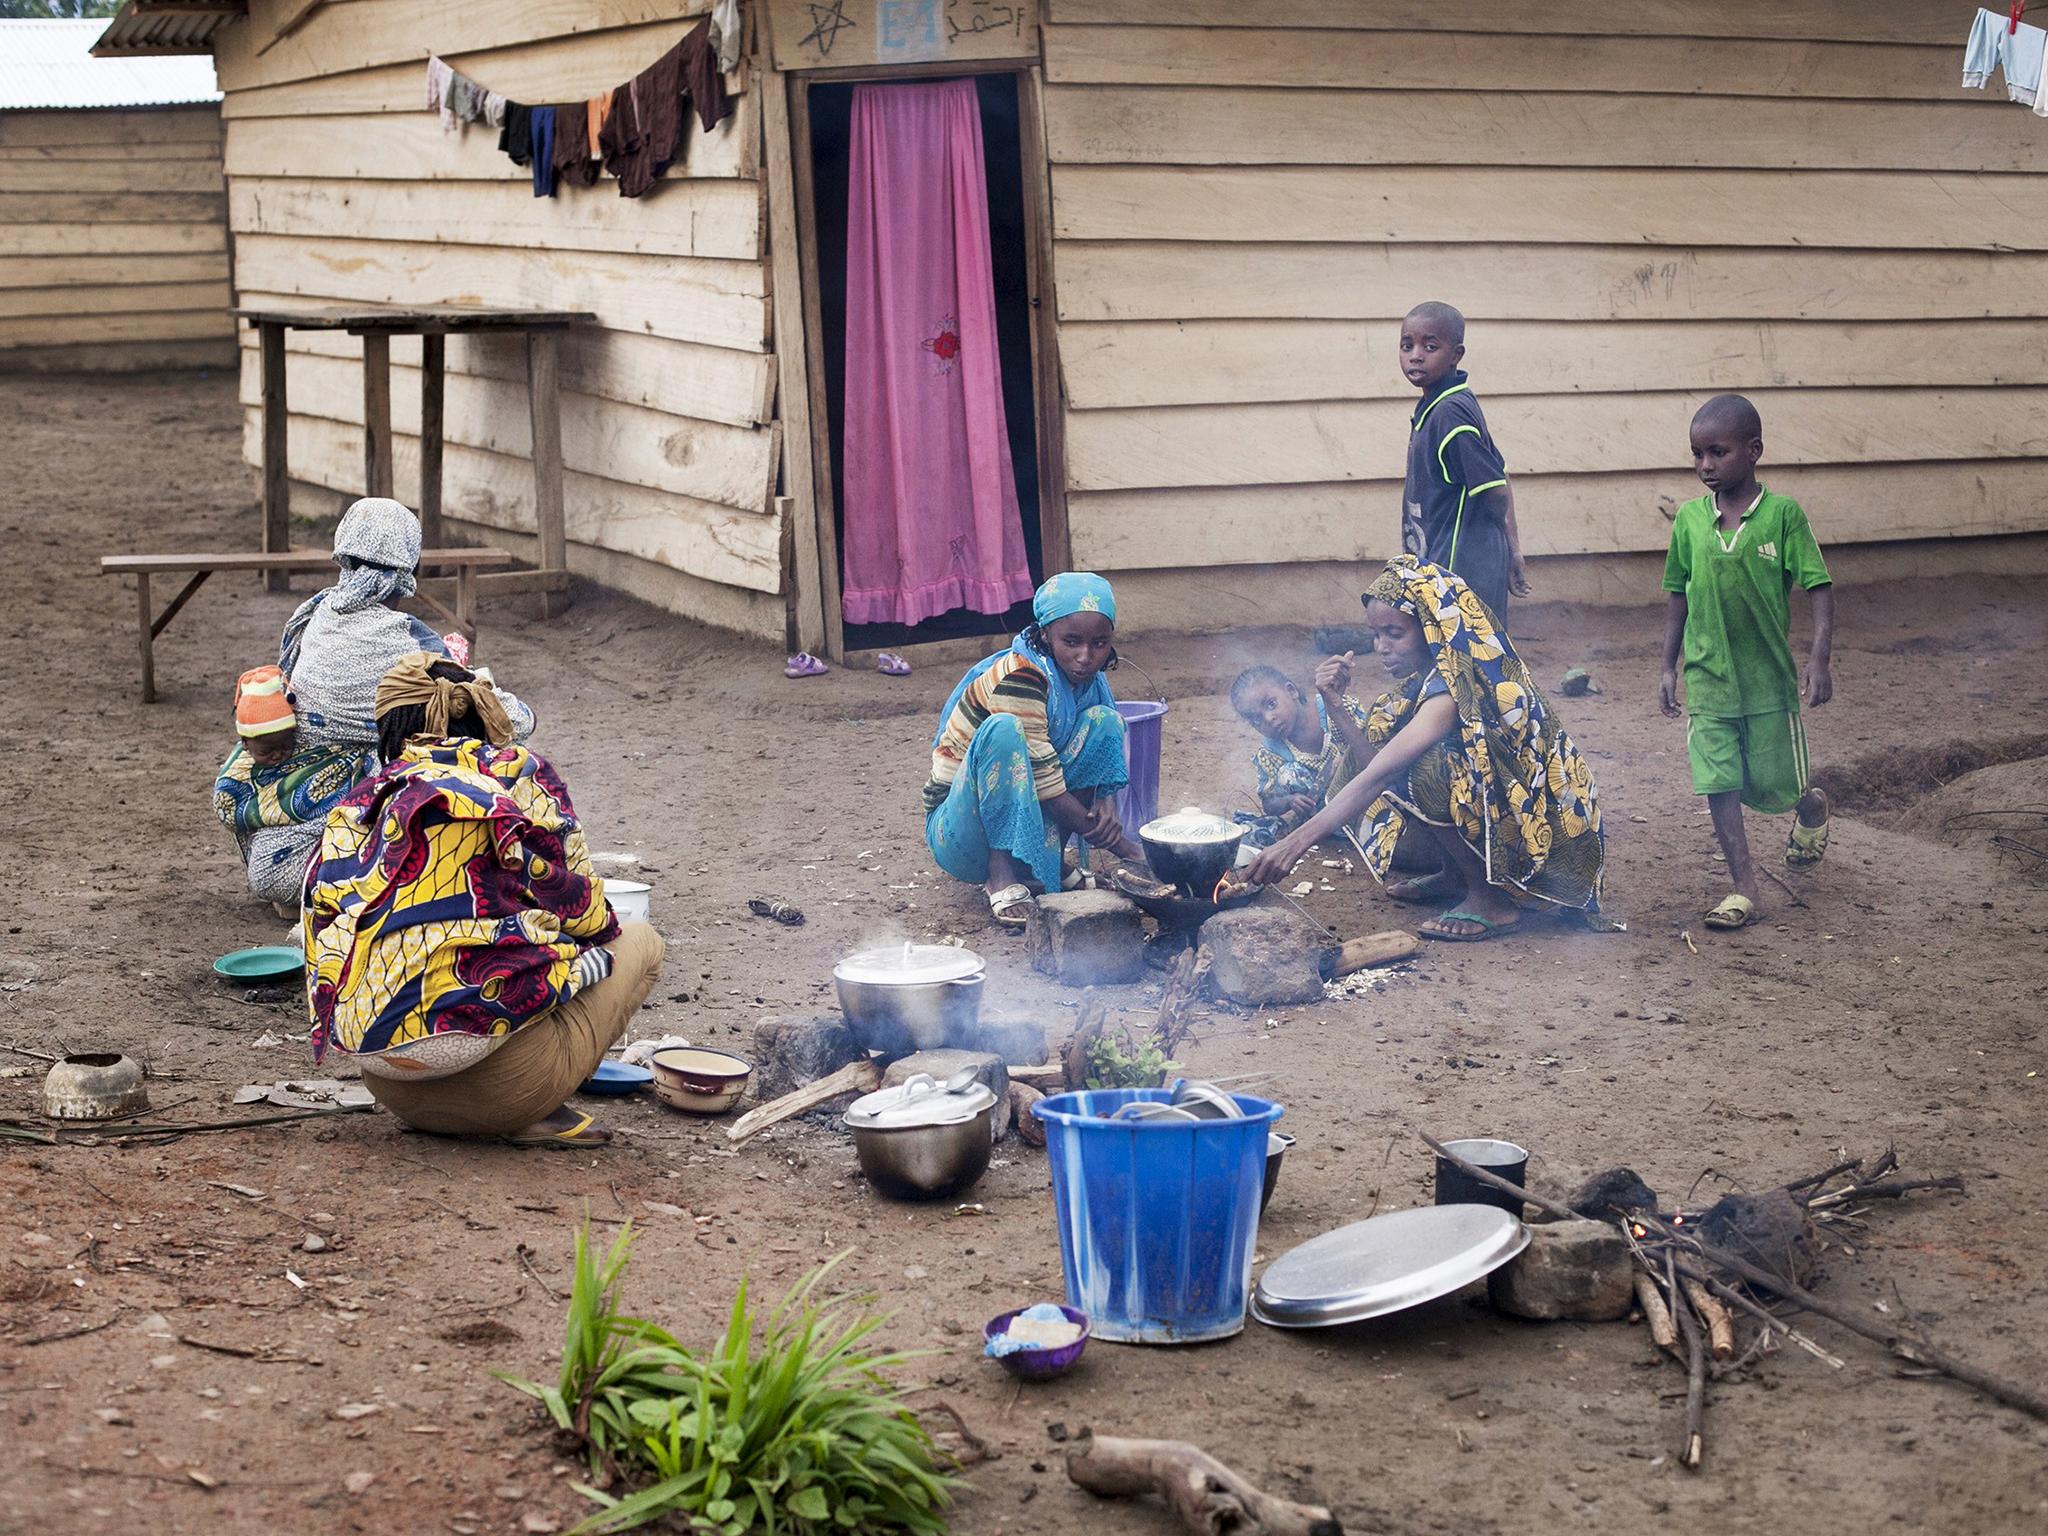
[
  {"x": 1012, "y": 906},
  {"x": 1806, "y": 846}
]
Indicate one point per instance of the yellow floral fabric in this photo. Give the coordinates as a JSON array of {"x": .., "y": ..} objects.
[{"x": 1508, "y": 779}]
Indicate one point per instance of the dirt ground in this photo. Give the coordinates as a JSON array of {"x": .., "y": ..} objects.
[{"x": 1899, "y": 1003}]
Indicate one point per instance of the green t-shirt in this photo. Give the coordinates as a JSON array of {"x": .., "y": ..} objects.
[{"x": 1738, "y": 615}]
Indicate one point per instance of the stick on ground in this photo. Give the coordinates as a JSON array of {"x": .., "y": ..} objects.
[
  {"x": 1663, "y": 1332},
  {"x": 1204, "y": 1495}
]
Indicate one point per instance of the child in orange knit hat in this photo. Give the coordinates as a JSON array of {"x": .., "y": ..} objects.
[{"x": 263, "y": 716}]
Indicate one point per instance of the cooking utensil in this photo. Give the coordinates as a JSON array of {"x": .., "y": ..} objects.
[
  {"x": 1385, "y": 1264},
  {"x": 1454, "y": 1186},
  {"x": 613, "y": 1078},
  {"x": 1205, "y": 1100},
  {"x": 700, "y": 1081},
  {"x": 1040, "y": 1364},
  {"x": 1277, "y": 1143},
  {"x": 917, "y": 1141},
  {"x": 267, "y": 962},
  {"x": 1154, "y": 1111},
  {"x": 632, "y": 900},
  {"x": 94, "y": 1087},
  {"x": 911, "y": 997},
  {"x": 1171, "y": 907},
  {"x": 1191, "y": 848},
  {"x": 1295, "y": 902}
]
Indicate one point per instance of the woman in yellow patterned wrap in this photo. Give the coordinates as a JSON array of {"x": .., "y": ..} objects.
[
  {"x": 458, "y": 943},
  {"x": 1467, "y": 747}
]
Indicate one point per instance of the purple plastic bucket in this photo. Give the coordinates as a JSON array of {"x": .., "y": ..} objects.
[{"x": 1138, "y": 801}]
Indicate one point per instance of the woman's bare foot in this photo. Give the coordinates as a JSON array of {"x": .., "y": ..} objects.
[
  {"x": 1484, "y": 914},
  {"x": 1437, "y": 885}
]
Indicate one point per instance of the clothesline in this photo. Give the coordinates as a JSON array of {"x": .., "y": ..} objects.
[
  {"x": 634, "y": 131},
  {"x": 2007, "y": 46}
]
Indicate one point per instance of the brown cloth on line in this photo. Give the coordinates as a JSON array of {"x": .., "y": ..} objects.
[
  {"x": 619, "y": 139},
  {"x": 411, "y": 682},
  {"x": 701, "y": 79},
  {"x": 644, "y": 135},
  {"x": 572, "y": 146}
]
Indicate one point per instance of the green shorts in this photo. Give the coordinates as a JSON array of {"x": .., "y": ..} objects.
[{"x": 1762, "y": 756}]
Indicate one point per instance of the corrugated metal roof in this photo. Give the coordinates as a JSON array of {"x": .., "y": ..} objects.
[
  {"x": 167, "y": 26},
  {"x": 50, "y": 64}
]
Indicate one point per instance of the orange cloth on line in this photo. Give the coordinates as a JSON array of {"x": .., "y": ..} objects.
[{"x": 598, "y": 109}]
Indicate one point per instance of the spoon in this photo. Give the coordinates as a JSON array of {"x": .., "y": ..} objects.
[{"x": 960, "y": 1081}]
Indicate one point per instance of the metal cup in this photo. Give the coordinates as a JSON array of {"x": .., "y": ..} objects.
[{"x": 1504, "y": 1159}]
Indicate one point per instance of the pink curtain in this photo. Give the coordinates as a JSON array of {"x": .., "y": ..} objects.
[{"x": 931, "y": 516}]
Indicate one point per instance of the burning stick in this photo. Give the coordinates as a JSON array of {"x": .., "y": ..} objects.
[{"x": 1720, "y": 1326}]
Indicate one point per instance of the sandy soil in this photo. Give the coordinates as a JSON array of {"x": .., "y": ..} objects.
[{"x": 1900, "y": 1003}]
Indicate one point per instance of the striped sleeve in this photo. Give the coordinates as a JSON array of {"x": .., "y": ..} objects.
[{"x": 1011, "y": 687}]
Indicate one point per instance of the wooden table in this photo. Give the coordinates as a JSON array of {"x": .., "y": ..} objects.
[
  {"x": 433, "y": 324},
  {"x": 467, "y": 564}
]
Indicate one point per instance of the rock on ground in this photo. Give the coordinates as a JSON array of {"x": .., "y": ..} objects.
[
  {"x": 1264, "y": 956},
  {"x": 1087, "y": 938},
  {"x": 1579, "y": 1270},
  {"x": 791, "y": 1052},
  {"x": 943, "y": 1064}
]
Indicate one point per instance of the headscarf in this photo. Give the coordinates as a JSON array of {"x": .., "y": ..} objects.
[
  {"x": 377, "y": 546},
  {"x": 412, "y": 682},
  {"x": 1521, "y": 794},
  {"x": 1069, "y": 593}
]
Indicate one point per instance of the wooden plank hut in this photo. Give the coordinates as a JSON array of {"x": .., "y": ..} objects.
[
  {"x": 1207, "y": 217},
  {"x": 113, "y": 236}
]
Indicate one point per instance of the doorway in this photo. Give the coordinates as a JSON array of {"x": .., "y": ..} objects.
[{"x": 1001, "y": 103}]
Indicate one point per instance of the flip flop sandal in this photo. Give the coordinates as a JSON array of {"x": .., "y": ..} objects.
[
  {"x": 889, "y": 664},
  {"x": 804, "y": 664},
  {"x": 1805, "y": 846},
  {"x": 1734, "y": 912},
  {"x": 1492, "y": 930},
  {"x": 586, "y": 1132},
  {"x": 1011, "y": 906},
  {"x": 1426, "y": 887}
]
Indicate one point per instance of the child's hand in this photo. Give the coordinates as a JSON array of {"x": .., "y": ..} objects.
[
  {"x": 1818, "y": 684},
  {"x": 1299, "y": 805},
  {"x": 1333, "y": 676},
  {"x": 1667, "y": 692}
]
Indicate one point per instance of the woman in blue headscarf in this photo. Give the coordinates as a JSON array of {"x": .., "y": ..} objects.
[{"x": 1030, "y": 751}]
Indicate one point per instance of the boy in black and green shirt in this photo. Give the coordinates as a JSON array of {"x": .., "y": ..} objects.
[{"x": 1735, "y": 556}]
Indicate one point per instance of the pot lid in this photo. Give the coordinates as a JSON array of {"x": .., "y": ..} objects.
[
  {"x": 1384, "y": 1264},
  {"x": 909, "y": 964},
  {"x": 918, "y": 1100},
  {"x": 1192, "y": 824}
]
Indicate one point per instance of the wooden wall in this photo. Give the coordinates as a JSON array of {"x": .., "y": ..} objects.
[
  {"x": 113, "y": 250},
  {"x": 1637, "y": 203},
  {"x": 343, "y": 187}
]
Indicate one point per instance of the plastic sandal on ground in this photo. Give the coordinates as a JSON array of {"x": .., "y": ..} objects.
[
  {"x": 889, "y": 664},
  {"x": 804, "y": 664},
  {"x": 1734, "y": 912}
]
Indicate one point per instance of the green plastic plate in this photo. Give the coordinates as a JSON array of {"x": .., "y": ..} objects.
[{"x": 271, "y": 962}]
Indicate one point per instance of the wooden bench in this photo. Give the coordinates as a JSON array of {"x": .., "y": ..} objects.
[{"x": 464, "y": 562}]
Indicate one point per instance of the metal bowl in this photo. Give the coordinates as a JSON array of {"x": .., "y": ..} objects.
[
  {"x": 698, "y": 1080},
  {"x": 94, "y": 1087},
  {"x": 1277, "y": 1143},
  {"x": 1191, "y": 849}
]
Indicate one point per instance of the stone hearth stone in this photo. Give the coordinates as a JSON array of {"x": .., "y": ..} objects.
[
  {"x": 1265, "y": 956},
  {"x": 1019, "y": 1041},
  {"x": 1579, "y": 1270},
  {"x": 791, "y": 1052},
  {"x": 1087, "y": 938},
  {"x": 943, "y": 1064}
]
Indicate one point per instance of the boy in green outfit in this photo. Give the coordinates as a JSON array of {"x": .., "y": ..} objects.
[{"x": 1735, "y": 556}]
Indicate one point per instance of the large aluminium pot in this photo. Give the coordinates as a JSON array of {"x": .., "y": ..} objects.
[
  {"x": 902, "y": 998},
  {"x": 1191, "y": 849},
  {"x": 918, "y": 1141}
]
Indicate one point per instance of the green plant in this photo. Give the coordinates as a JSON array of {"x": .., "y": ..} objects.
[
  {"x": 1114, "y": 1063},
  {"x": 787, "y": 1425}
]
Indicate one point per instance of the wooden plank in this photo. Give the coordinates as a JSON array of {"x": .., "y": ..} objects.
[
  {"x": 274, "y": 457},
  {"x": 1358, "y": 523},
  {"x": 1214, "y": 362},
  {"x": 556, "y": 69},
  {"x": 127, "y": 298},
  {"x": 111, "y": 208},
  {"x": 1201, "y": 125},
  {"x": 109, "y": 271},
  {"x": 112, "y": 125},
  {"x": 720, "y": 219},
  {"x": 720, "y": 544},
  {"x": 66, "y": 154},
  {"x": 433, "y": 420},
  {"x": 863, "y": 33},
  {"x": 1876, "y": 21},
  {"x": 734, "y": 466},
  {"x": 720, "y": 303},
  {"x": 124, "y": 240},
  {"x": 376, "y": 377},
  {"x": 467, "y": 556},
  {"x": 823, "y": 492},
  {"x": 544, "y": 410},
  {"x": 1884, "y": 210},
  {"x": 677, "y": 378},
  {"x": 1542, "y": 434},
  {"x": 376, "y": 32},
  {"x": 118, "y": 356},
  {"x": 1156, "y": 280},
  {"x": 122, "y": 175},
  {"x": 1047, "y": 395},
  {"x": 1428, "y": 60},
  {"x": 148, "y": 325},
  {"x": 413, "y": 147},
  {"x": 805, "y": 581}
]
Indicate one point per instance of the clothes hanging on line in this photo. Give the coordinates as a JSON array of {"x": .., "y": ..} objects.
[
  {"x": 573, "y": 164},
  {"x": 515, "y": 138},
  {"x": 1996, "y": 45},
  {"x": 543, "y": 134},
  {"x": 725, "y": 32}
]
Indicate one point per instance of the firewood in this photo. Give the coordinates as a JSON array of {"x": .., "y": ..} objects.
[
  {"x": 1663, "y": 1332},
  {"x": 1374, "y": 949},
  {"x": 1204, "y": 1494},
  {"x": 1029, "y": 1126},
  {"x": 1720, "y": 1326},
  {"x": 854, "y": 1077}
]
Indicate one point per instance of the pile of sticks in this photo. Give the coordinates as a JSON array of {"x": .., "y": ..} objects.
[{"x": 1692, "y": 1292}]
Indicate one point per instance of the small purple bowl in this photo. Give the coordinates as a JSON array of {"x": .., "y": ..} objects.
[{"x": 1039, "y": 1364}]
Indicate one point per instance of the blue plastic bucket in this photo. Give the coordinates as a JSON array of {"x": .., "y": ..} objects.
[
  {"x": 1157, "y": 1217},
  {"x": 1138, "y": 801}
]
